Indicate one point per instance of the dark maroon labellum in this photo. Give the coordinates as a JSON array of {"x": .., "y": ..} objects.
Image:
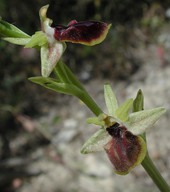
[
  {"x": 123, "y": 149},
  {"x": 85, "y": 32}
]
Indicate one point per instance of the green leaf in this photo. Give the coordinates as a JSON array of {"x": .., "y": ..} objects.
[
  {"x": 61, "y": 73},
  {"x": 54, "y": 85},
  {"x": 140, "y": 122},
  {"x": 38, "y": 39},
  {"x": 9, "y": 30},
  {"x": 17, "y": 41},
  {"x": 123, "y": 111},
  {"x": 96, "y": 142},
  {"x": 42, "y": 80},
  {"x": 72, "y": 78},
  {"x": 138, "y": 103},
  {"x": 110, "y": 99}
]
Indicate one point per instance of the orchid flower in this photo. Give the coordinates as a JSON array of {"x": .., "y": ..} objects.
[
  {"x": 52, "y": 40},
  {"x": 120, "y": 132},
  {"x": 86, "y": 32}
]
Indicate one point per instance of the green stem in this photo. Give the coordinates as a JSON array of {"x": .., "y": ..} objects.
[
  {"x": 90, "y": 103},
  {"x": 67, "y": 76},
  {"x": 155, "y": 174}
]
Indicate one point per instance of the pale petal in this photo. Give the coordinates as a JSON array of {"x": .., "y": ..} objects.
[
  {"x": 140, "y": 122},
  {"x": 50, "y": 57},
  {"x": 96, "y": 142}
]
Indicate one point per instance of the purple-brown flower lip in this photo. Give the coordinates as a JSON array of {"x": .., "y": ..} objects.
[
  {"x": 124, "y": 149},
  {"x": 84, "y": 32}
]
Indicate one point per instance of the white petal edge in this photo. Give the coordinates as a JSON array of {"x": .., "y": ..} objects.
[
  {"x": 50, "y": 57},
  {"x": 96, "y": 142},
  {"x": 140, "y": 122}
]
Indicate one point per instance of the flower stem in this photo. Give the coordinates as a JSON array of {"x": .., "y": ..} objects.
[
  {"x": 155, "y": 174},
  {"x": 90, "y": 103},
  {"x": 67, "y": 76}
]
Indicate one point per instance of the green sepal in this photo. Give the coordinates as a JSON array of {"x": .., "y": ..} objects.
[
  {"x": 110, "y": 99},
  {"x": 139, "y": 122},
  {"x": 96, "y": 142}
]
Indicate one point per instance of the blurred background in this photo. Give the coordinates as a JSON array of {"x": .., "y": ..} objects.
[{"x": 41, "y": 132}]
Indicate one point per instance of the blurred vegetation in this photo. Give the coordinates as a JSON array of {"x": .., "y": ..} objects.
[{"x": 133, "y": 24}]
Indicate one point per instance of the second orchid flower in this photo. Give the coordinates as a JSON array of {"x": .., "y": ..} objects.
[{"x": 120, "y": 132}]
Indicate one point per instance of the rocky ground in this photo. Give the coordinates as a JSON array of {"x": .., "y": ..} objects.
[{"x": 63, "y": 168}]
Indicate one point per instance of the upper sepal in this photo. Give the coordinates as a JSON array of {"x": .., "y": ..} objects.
[
  {"x": 85, "y": 32},
  {"x": 119, "y": 112},
  {"x": 110, "y": 100}
]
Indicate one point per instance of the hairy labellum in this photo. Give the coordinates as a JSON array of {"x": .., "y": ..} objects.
[
  {"x": 124, "y": 150},
  {"x": 84, "y": 32}
]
